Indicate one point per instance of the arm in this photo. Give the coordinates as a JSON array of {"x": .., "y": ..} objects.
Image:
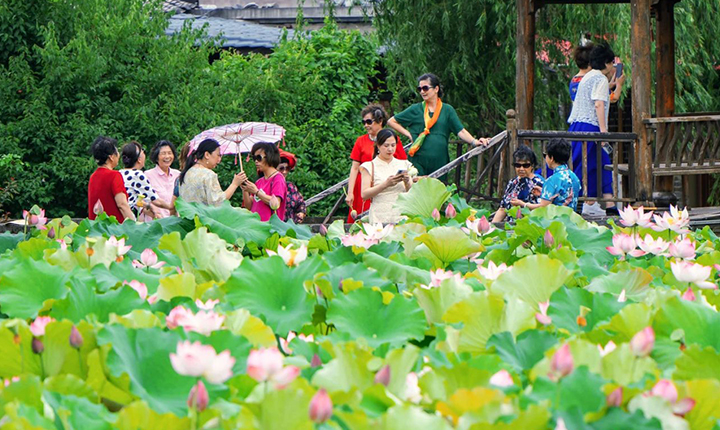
[
  {"x": 499, "y": 215},
  {"x": 351, "y": 183},
  {"x": 615, "y": 96},
  {"x": 123, "y": 206},
  {"x": 467, "y": 137},
  {"x": 600, "y": 111},
  {"x": 392, "y": 123},
  {"x": 541, "y": 204},
  {"x": 233, "y": 186},
  {"x": 251, "y": 191}
]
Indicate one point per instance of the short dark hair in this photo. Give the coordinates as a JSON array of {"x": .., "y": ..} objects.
[
  {"x": 207, "y": 145},
  {"x": 102, "y": 148},
  {"x": 155, "y": 152},
  {"x": 377, "y": 111},
  {"x": 381, "y": 137},
  {"x": 559, "y": 150},
  {"x": 523, "y": 152},
  {"x": 582, "y": 55},
  {"x": 130, "y": 153},
  {"x": 434, "y": 81},
  {"x": 600, "y": 56},
  {"x": 272, "y": 154}
]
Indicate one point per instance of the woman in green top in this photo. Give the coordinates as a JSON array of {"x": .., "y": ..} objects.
[{"x": 428, "y": 125}]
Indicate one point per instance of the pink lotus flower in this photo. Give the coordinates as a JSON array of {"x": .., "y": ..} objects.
[
  {"x": 383, "y": 375},
  {"x": 630, "y": 217},
  {"x": 377, "y": 231},
  {"x": 643, "y": 342},
  {"x": 178, "y": 316},
  {"x": 614, "y": 399},
  {"x": 204, "y": 322},
  {"x": 624, "y": 245},
  {"x": 139, "y": 287},
  {"x": 450, "y": 211},
  {"x": 622, "y": 297},
  {"x": 98, "y": 208},
  {"x": 439, "y": 275},
  {"x": 686, "y": 271},
  {"x": 609, "y": 347},
  {"x": 542, "y": 316},
  {"x": 208, "y": 305},
  {"x": 119, "y": 244},
  {"x": 38, "y": 220},
  {"x": 291, "y": 256},
  {"x": 502, "y": 379},
  {"x": 285, "y": 342},
  {"x": 152, "y": 299},
  {"x": 435, "y": 214},
  {"x": 358, "y": 239},
  {"x": 148, "y": 258},
  {"x": 548, "y": 239},
  {"x": 412, "y": 388},
  {"x": 38, "y": 326},
  {"x": 653, "y": 246},
  {"x": 492, "y": 272},
  {"x": 8, "y": 381},
  {"x": 196, "y": 359},
  {"x": 480, "y": 226},
  {"x": 560, "y": 425},
  {"x": 688, "y": 295},
  {"x": 321, "y": 407},
  {"x": 266, "y": 364},
  {"x": 676, "y": 221},
  {"x": 198, "y": 398},
  {"x": 683, "y": 406},
  {"x": 684, "y": 249},
  {"x": 562, "y": 362},
  {"x": 666, "y": 390}
]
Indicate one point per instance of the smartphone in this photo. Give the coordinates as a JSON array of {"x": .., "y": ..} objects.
[
  {"x": 618, "y": 70},
  {"x": 401, "y": 171}
]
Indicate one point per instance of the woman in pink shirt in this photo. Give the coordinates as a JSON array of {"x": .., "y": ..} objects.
[
  {"x": 162, "y": 177},
  {"x": 268, "y": 194}
]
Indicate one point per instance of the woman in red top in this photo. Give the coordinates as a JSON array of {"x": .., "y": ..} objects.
[
  {"x": 374, "y": 118},
  {"x": 106, "y": 190}
]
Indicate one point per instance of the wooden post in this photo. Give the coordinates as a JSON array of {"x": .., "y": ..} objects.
[
  {"x": 512, "y": 142},
  {"x": 525, "y": 64},
  {"x": 665, "y": 73},
  {"x": 641, "y": 80}
]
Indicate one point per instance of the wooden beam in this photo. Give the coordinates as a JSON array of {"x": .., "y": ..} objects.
[
  {"x": 665, "y": 59},
  {"x": 641, "y": 81},
  {"x": 525, "y": 64}
]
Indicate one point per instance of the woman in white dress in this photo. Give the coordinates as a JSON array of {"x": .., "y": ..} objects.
[{"x": 384, "y": 178}]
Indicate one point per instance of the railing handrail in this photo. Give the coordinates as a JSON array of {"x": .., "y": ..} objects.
[
  {"x": 670, "y": 119},
  {"x": 577, "y": 135}
]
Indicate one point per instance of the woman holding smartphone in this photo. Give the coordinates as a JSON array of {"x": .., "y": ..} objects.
[{"x": 384, "y": 178}]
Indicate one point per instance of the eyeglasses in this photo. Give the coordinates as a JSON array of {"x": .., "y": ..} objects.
[
  {"x": 258, "y": 158},
  {"x": 523, "y": 165},
  {"x": 367, "y": 121},
  {"x": 424, "y": 88},
  {"x": 283, "y": 169}
]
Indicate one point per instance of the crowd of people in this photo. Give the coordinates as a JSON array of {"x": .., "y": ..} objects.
[{"x": 380, "y": 170}]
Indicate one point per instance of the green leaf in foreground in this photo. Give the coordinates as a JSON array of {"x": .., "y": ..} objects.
[
  {"x": 449, "y": 244},
  {"x": 27, "y": 285},
  {"x": 533, "y": 279},
  {"x": 427, "y": 194},
  {"x": 362, "y": 314},
  {"x": 226, "y": 221},
  {"x": 526, "y": 352}
]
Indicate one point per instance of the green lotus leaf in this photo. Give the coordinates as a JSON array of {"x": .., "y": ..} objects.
[
  {"x": 289, "y": 228},
  {"x": 700, "y": 323},
  {"x": 623, "y": 367},
  {"x": 203, "y": 254},
  {"x": 480, "y": 314},
  {"x": 560, "y": 212},
  {"x": 22, "y": 416},
  {"x": 425, "y": 196},
  {"x": 411, "y": 417},
  {"x": 226, "y": 221},
  {"x": 34, "y": 248},
  {"x": 533, "y": 279},
  {"x": 534, "y": 418},
  {"x": 16, "y": 358},
  {"x": 177, "y": 285},
  {"x": 659, "y": 408},
  {"x": 274, "y": 292},
  {"x": 241, "y": 323},
  {"x": 584, "y": 353},
  {"x": 565, "y": 307},
  {"x": 524, "y": 353},
  {"x": 362, "y": 314},
  {"x": 442, "y": 382},
  {"x": 8, "y": 240},
  {"x": 396, "y": 271},
  {"x": 449, "y": 244},
  {"x": 635, "y": 282},
  {"x": 704, "y": 415},
  {"x": 139, "y": 318},
  {"x": 616, "y": 418},
  {"x": 697, "y": 363},
  {"x": 287, "y": 408},
  {"x": 139, "y": 416},
  {"x": 28, "y": 391},
  {"x": 117, "y": 273},
  {"x": 665, "y": 352},
  {"x": 28, "y": 285},
  {"x": 401, "y": 362},
  {"x": 630, "y": 320},
  {"x": 581, "y": 389},
  {"x": 436, "y": 301},
  {"x": 117, "y": 390},
  {"x": 358, "y": 272},
  {"x": 67, "y": 384},
  {"x": 592, "y": 240},
  {"x": 83, "y": 301},
  {"x": 348, "y": 370},
  {"x": 61, "y": 358},
  {"x": 79, "y": 412}
]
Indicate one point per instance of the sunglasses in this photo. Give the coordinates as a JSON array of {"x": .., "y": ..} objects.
[
  {"x": 258, "y": 158},
  {"x": 523, "y": 165},
  {"x": 424, "y": 89},
  {"x": 367, "y": 121},
  {"x": 283, "y": 169}
]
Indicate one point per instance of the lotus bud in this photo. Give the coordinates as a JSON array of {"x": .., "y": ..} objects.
[
  {"x": 435, "y": 214},
  {"x": 683, "y": 406},
  {"x": 562, "y": 361},
  {"x": 665, "y": 389},
  {"x": 450, "y": 211},
  {"x": 642, "y": 343},
  {"x": 199, "y": 397},
  {"x": 323, "y": 230},
  {"x": 321, "y": 407},
  {"x": 383, "y": 376},
  {"x": 51, "y": 233},
  {"x": 502, "y": 379},
  {"x": 688, "y": 295},
  {"x": 37, "y": 346},
  {"x": 76, "y": 339},
  {"x": 316, "y": 361},
  {"x": 615, "y": 398},
  {"x": 483, "y": 225},
  {"x": 340, "y": 286},
  {"x": 353, "y": 214},
  {"x": 548, "y": 239}
]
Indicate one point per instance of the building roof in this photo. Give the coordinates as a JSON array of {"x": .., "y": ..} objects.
[
  {"x": 177, "y": 6},
  {"x": 235, "y": 33}
]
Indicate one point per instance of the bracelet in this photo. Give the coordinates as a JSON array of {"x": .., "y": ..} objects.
[{"x": 257, "y": 193}]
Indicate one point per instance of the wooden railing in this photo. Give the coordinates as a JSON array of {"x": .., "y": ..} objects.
[{"x": 685, "y": 144}]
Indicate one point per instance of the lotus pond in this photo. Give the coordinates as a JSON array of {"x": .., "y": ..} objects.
[{"x": 215, "y": 320}]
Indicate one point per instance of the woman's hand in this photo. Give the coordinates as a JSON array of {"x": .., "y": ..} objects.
[
  {"x": 239, "y": 178},
  {"x": 481, "y": 141},
  {"x": 392, "y": 181},
  {"x": 536, "y": 191},
  {"x": 517, "y": 202},
  {"x": 349, "y": 198},
  {"x": 301, "y": 217}
]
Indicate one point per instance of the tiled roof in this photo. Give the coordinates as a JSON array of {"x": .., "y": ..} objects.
[
  {"x": 179, "y": 5},
  {"x": 235, "y": 33}
]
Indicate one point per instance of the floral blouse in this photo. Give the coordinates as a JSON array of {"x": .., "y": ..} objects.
[
  {"x": 200, "y": 185},
  {"x": 295, "y": 203},
  {"x": 521, "y": 188}
]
